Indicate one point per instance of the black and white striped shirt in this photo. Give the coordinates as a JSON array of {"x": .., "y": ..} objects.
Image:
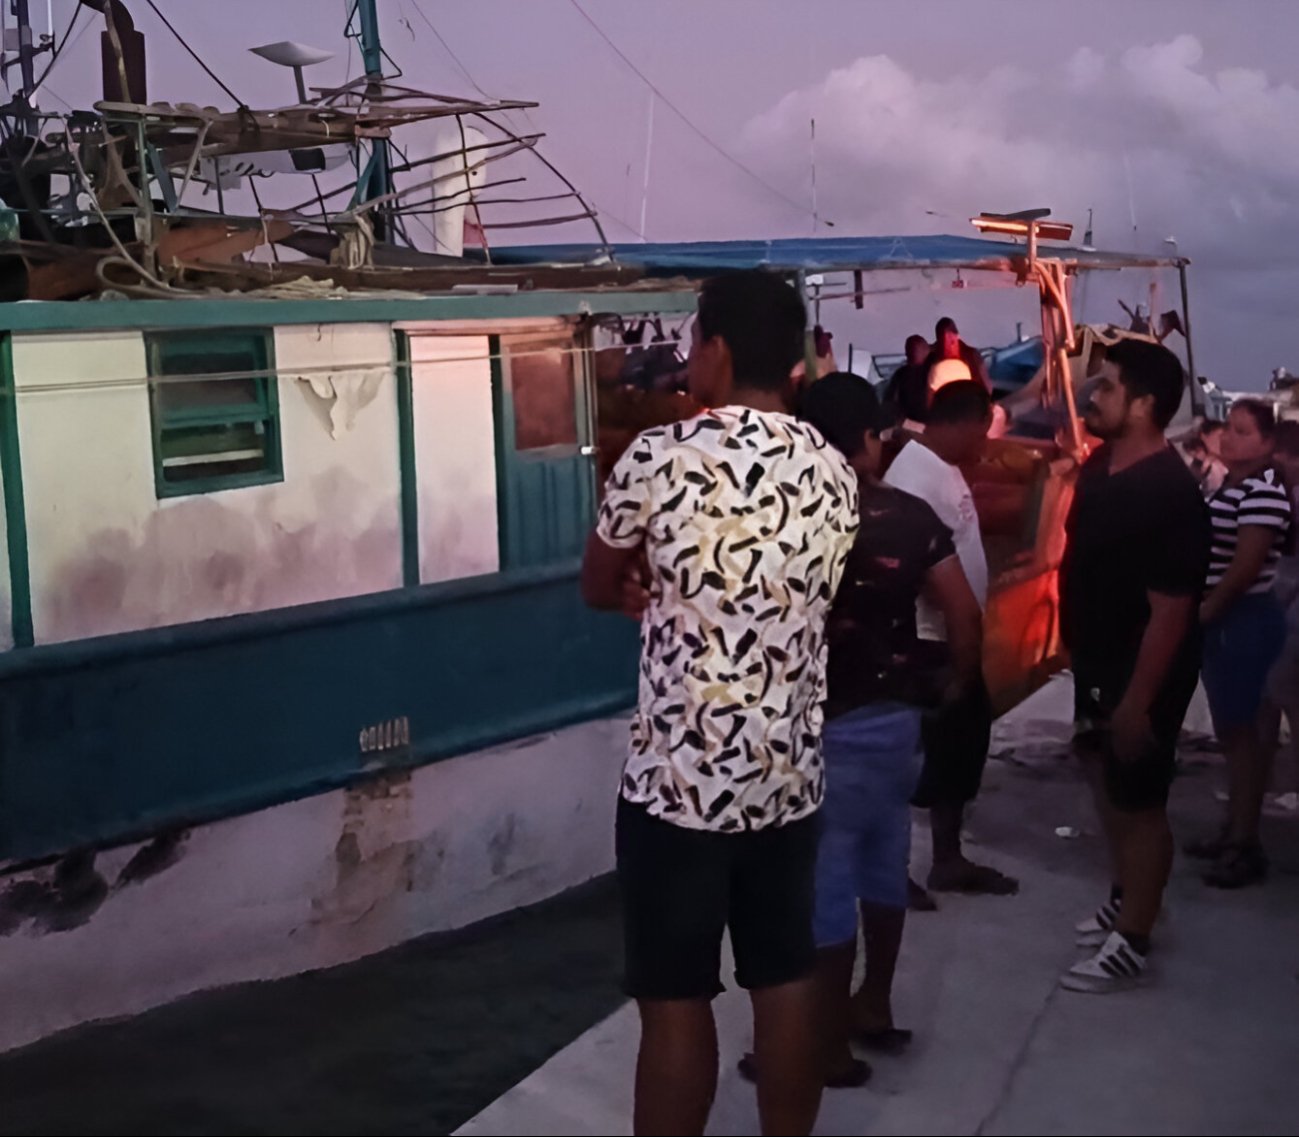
[{"x": 1258, "y": 500}]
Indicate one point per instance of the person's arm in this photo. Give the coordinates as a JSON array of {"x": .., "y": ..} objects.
[
  {"x": 613, "y": 579},
  {"x": 615, "y": 567},
  {"x": 947, "y": 588},
  {"x": 1253, "y": 543},
  {"x": 1170, "y": 623},
  {"x": 1174, "y": 574}
]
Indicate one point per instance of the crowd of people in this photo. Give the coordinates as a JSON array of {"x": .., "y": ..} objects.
[{"x": 811, "y": 667}]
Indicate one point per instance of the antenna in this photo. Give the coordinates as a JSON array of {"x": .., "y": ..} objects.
[{"x": 815, "y": 216}]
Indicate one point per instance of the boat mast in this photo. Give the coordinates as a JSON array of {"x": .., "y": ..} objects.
[
  {"x": 376, "y": 178},
  {"x": 27, "y": 53}
]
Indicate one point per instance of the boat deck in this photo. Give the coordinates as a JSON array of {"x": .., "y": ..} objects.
[{"x": 422, "y": 1038}]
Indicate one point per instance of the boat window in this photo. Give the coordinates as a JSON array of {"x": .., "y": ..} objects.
[
  {"x": 215, "y": 411},
  {"x": 638, "y": 385},
  {"x": 545, "y": 397}
]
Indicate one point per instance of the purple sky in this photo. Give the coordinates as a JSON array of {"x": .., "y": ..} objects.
[{"x": 1182, "y": 112}]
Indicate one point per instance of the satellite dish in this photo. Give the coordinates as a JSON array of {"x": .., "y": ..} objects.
[
  {"x": 296, "y": 55},
  {"x": 289, "y": 54}
]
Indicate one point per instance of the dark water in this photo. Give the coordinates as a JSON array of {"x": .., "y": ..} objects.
[{"x": 415, "y": 1040}]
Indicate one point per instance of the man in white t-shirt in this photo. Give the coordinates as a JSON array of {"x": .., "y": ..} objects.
[{"x": 957, "y": 735}]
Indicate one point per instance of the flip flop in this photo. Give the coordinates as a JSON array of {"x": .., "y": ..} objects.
[
  {"x": 891, "y": 1040},
  {"x": 852, "y": 1078},
  {"x": 976, "y": 880},
  {"x": 918, "y": 900}
]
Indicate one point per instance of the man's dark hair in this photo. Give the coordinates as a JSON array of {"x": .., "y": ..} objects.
[
  {"x": 915, "y": 341},
  {"x": 843, "y": 407},
  {"x": 761, "y": 319},
  {"x": 965, "y": 401},
  {"x": 1150, "y": 369},
  {"x": 946, "y": 324},
  {"x": 1211, "y": 426},
  {"x": 1286, "y": 438}
]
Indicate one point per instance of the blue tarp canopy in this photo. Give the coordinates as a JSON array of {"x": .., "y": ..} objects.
[{"x": 821, "y": 254}]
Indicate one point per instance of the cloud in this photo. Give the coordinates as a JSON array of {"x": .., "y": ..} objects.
[
  {"x": 1210, "y": 157},
  {"x": 1213, "y": 158}
]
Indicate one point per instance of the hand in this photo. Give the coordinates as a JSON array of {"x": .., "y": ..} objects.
[
  {"x": 636, "y": 592},
  {"x": 958, "y": 688},
  {"x": 1130, "y": 732}
]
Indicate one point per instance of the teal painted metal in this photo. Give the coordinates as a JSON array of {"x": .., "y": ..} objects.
[
  {"x": 406, "y": 459},
  {"x": 122, "y": 315},
  {"x": 249, "y": 351},
  {"x": 104, "y": 741},
  {"x": 545, "y": 493},
  {"x": 11, "y": 466},
  {"x": 502, "y": 414},
  {"x": 371, "y": 49}
]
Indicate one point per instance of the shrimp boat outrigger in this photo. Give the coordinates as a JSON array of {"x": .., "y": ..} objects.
[{"x": 295, "y": 666}]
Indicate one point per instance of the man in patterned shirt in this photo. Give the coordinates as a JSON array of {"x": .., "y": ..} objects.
[{"x": 737, "y": 522}]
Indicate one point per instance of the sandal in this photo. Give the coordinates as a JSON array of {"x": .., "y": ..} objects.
[
  {"x": 891, "y": 1040},
  {"x": 972, "y": 880},
  {"x": 1239, "y": 866},
  {"x": 1207, "y": 848},
  {"x": 852, "y": 1077},
  {"x": 918, "y": 900}
]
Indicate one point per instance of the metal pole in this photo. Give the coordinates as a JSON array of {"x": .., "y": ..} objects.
[
  {"x": 27, "y": 67},
  {"x": 810, "y": 365},
  {"x": 26, "y": 52},
  {"x": 1197, "y": 392},
  {"x": 376, "y": 179},
  {"x": 649, "y": 151}
]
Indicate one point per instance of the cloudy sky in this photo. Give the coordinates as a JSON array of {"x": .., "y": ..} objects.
[{"x": 1168, "y": 118}]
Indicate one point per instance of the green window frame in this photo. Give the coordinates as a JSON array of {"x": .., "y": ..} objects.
[{"x": 215, "y": 411}]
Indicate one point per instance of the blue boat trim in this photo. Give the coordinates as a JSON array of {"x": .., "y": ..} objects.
[
  {"x": 87, "y": 315},
  {"x": 105, "y": 740}
]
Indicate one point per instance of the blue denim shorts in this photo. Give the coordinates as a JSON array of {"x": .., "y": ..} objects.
[
  {"x": 872, "y": 764},
  {"x": 1240, "y": 650}
]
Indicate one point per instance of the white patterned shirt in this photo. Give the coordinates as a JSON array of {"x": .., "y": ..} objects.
[{"x": 746, "y": 518}]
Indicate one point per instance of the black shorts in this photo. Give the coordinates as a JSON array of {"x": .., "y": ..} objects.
[
  {"x": 1142, "y": 783},
  {"x": 682, "y": 888},
  {"x": 956, "y": 738}
]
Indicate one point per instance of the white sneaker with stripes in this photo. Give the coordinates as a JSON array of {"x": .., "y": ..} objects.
[
  {"x": 1096, "y": 929},
  {"x": 1117, "y": 966}
]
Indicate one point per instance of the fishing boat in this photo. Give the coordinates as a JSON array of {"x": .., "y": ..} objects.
[{"x": 295, "y": 666}]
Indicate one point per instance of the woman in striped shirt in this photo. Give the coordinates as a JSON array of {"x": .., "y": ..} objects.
[{"x": 1244, "y": 630}]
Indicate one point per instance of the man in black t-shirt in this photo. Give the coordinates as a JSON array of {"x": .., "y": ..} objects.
[
  {"x": 1134, "y": 569},
  {"x": 908, "y": 389}
]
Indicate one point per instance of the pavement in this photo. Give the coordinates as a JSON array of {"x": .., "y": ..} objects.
[{"x": 1209, "y": 1047}]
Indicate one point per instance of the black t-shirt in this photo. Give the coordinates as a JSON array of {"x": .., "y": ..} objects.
[
  {"x": 875, "y": 655},
  {"x": 1144, "y": 529},
  {"x": 909, "y": 391}
]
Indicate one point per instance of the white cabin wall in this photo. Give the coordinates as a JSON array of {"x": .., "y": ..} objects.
[
  {"x": 108, "y": 556},
  {"x": 455, "y": 456}
]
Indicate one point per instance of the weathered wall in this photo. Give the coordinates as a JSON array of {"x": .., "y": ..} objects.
[
  {"x": 309, "y": 884},
  {"x": 108, "y": 556}
]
